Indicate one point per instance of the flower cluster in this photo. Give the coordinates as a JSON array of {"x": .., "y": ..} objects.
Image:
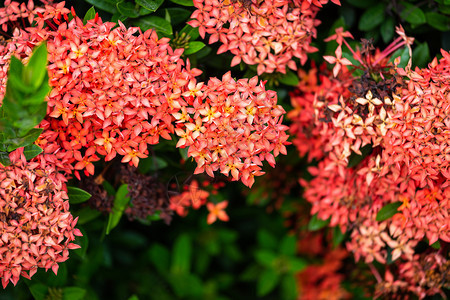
[
  {"x": 232, "y": 126},
  {"x": 269, "y": 33},
  {"x": 36, "y": 227},
  {"x": 395, "y": 120}
]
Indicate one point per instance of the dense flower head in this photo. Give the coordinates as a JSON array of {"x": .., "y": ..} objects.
[
  {"x": 232, "y": 127},
  {"x": 36, "y": 227},
  {"x": 113, "y": 90},
  {"x": 269, "y": 33}
]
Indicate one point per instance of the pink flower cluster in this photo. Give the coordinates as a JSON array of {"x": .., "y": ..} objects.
[
  {"x": 268, "y": 33},
  {"x": 36, "y": 227},
  {"x": 232, "y": 126}
]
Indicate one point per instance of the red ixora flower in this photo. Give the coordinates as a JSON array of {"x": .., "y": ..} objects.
[{"x": 36, "y": 227}]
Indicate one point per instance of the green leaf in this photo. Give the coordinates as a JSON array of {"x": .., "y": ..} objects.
[
  {"x": 127, "y": 9},
  {"x": 160, "y": 25},
  {"x": 338, "y": 236},
  {"x": 90, "y": 14},
  {"x": 35, "y": 70},
  {"x": 106, "y": 5},
  {"x": 26, "y": 140},
  {"x": 4, "y": 158},
  {"x": 404, "y": 57},
  {"x": 372, "y": 17},
  {"x": 152, "y": 163},
  {"x": 181, "y": 255},
  {"x": 290, "y": 78},
  {"x": 436, "y": 245},
  {"x": 289, "y": 288},
  {"x": 31, "y": 151},
  {"x": 77, "y": 195},
  {"x": 183, "y": 2},
  {"x": 387, "y": 29},
  {"x": 184, "y": 153},
  {"x": 133, "y": 297},
  {"x": 178, "y": 15},
  {"x": 288, "y": 245},
  {"x": 438, "y": 21},
  {"x": 412, "y": 14},
  {"x": 87, "y": 214},
  {"x": 315, "y": 223},
  {"x": 83, "y": 242},
  {"x": 120, "y": 203},
  {"x": 160, "y": 256},
  {"x": 38, "y": 290},
  {"x": 267, "y": 281},
  {"x": 296, "y": 264},
  {"x": 421, "y": 55},
  {"x": 388, "y": 211},
  {"x": 355, "y": 159},
  {"x": 73, "y": 293},
  {"x": 190, "y": 31},
  {"x": 266, "y": 240},
  {"x": 194, "y": 47},
  {"x": 109, "y": 188},
  {"x": 151, "y": 5},
  {"x": 362, "y": 4},
  {"x": 265, "y": 257}
]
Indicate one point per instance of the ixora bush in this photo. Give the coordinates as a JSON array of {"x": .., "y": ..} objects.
[{"x": 125, "y": 112}]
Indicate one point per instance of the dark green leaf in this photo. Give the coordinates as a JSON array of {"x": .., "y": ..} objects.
[
  {"x": 388, "y": 211},
  {"x": 190, "y": 31},
  {"x": 106, "y": 5},
  {"x": 184, "y": 2},
  {"x": 32, "y": 151},
  {"x": 38, "y": 290},
  {"x": 387, "y": 29},
  {"x": 160, "y": 25},
  {"x": 152, "y": 163},
  {"x": 438, "y": 21},
  {"x": 315, "y": 223},
  {"x": 338, "y": 236},
  {"x": 4, "y": 158},
  {"x": 372, "y": 17},
  {"x": 178, "y": 15},
  {"x": 267, "y": 281},
  {"x": 355, "y": 159},
  {"x": 90, "y": 14},
  {"x": 159, "y": 255},
  {"x": 288, "y": 245},
  {"x": 436, "y": 245},
  {"x": 412, "y": 14},
  {"x": 26, "y": 140},
  {"x": 151, "y": 5},
  {"x": 73, "y": 293},
  {"x": 77, "y": 195},
  {"x": 404, "y": 57},
  {"x": 289, "y": 287},
  {"x": 266, "y": 240},
  {"x": 86, "y": 214},
  {"x": 296, "y": 264},
  {"x": 35, "y": 70},
  {"x": 109, "y": 188},
  {"x": 362, "y": 4},
  {"x": 127, "y": 9},
  {"x": 421, "y": 55},
  {"x": 184, "y": 153},
  {"x": 83, "y": 242},
  {"x": 133, "y": 297},
  {"x": 194, "y": 47},
  {"x": 265, "y": 257},
  {"x": 181, "y": 255},
  {"x": 290, "y": 78}
]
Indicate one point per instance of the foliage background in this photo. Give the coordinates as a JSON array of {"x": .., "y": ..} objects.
[{"x": 257, "y": 254}]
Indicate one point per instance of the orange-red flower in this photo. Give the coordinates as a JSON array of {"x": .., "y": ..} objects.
[{"x": 216, "y": 211}]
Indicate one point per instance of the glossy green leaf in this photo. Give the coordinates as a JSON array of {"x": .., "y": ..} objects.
[
  {"x": 194, "y": 47},
  {"x": 160, "y": 25},
  {"x": 412, "y": 14},
  {"x": 106, "y": 5},
  {"x": 372, "y": 18},
  {"x": 26, "y": 140},
  {"x": 151, "y": 5},
  {"x": 127, "y": 9},
  {"x": 120, "y": 203},
  {"x": 36, "y": 68},
  {"x": 438, "y": 21},
  {"x": 388, "y": 211},
  {"x": 178, "y": 15},
  {"x": 90, "y": 14},
  {"x": 183, "y": 2},
  {"x": 315, "y": 223},
  {"x": 32, "y": 151},
  {"x": 290, "y": 78},
  {"x": 404, "y": 57},
  {"x": 267, "y": 281},
  {"x": 181, "y": 255},
  {"x": 190, "y": 31},
  {"x": 77, "y": 195}
]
